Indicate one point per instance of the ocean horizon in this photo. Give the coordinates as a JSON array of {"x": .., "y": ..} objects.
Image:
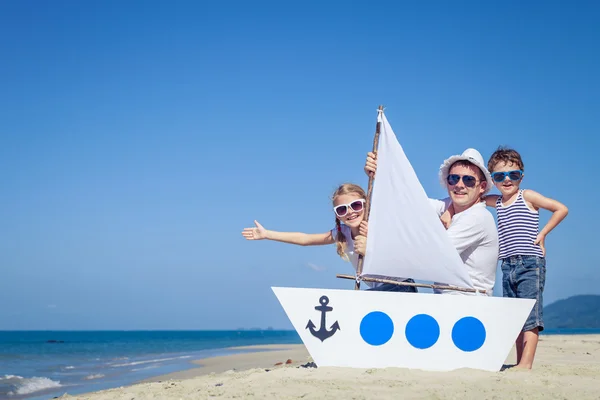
[{"x": 41, "y": 364}]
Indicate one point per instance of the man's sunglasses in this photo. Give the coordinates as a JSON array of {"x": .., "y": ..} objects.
[
  {"x": 512, "y": 175},
  {"x": 343, "y": 209},
  {"x": 469, "y": 180}
]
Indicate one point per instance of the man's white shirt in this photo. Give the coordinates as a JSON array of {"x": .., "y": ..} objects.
[{"x": 473, "y": 232}]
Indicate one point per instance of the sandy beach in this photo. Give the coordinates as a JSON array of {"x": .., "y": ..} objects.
[{"x": 566, "y": 367}]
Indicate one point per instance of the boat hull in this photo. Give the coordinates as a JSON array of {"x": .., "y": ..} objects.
[{"x": 435, "y": 332}]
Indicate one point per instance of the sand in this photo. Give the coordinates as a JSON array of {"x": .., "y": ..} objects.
[{"x": 566, "y": 367}]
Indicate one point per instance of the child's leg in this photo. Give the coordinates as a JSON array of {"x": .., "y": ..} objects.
[
  {"x": 509, "y": 289},
  {"x": 531, "y": 278},
  {"x": 519, "y": 345},
  {"x": 530, "y": 341}
]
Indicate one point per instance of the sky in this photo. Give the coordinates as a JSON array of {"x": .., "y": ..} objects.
[{"x": 139, "y": 138}]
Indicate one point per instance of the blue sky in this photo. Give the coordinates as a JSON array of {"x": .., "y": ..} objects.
[{"x": 137, "y": 140}]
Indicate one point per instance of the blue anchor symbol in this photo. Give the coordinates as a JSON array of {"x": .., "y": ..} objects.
[{"x": 323, "y": 333}]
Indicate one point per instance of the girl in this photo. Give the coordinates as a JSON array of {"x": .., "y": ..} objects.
[{"x": 350, "y": 230}]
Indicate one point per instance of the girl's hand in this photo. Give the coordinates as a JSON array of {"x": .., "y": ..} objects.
[
  {"x": 363, "y": 229},
  {"x": 540, "y": 240},
  {"x": 360, "y": 245},
  {"x": 257, "y": 233},
  {"x": 371, "y": 164}
]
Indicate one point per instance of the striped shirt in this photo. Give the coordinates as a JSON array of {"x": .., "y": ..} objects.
[{"x": 517, "y": 228}]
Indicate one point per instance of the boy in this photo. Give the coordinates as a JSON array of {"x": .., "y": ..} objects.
[{"x": 522, "y": 249}]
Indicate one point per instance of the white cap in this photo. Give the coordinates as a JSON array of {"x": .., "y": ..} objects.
[{"x": 472, "y": 156}]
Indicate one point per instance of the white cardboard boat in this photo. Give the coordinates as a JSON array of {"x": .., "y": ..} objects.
[{"x": 370, "y": 329}]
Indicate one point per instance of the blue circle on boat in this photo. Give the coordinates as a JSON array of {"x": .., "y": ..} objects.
[
  {"x": 468, "y": 334},
  {"x": 422, "y": 331},
  {"x": 376, "y": 328}
]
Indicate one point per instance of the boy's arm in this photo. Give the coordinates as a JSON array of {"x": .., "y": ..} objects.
[
  {"x": 559, "y": 210},
  {"x": 490, "y": 200}
]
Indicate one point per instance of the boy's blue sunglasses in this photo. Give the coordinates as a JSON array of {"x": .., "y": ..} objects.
[{"x": 512, "y": 175}]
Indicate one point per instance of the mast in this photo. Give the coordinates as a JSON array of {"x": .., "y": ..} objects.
[{"x": 361, "y": 259}]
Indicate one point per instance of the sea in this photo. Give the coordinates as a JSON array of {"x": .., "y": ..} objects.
[{"x": 37, "y": 365}]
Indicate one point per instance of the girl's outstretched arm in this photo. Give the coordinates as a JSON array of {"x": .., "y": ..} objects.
[{"x": 299, "y": 238}]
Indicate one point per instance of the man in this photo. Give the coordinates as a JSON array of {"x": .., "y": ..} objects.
[{"x": 472, "y": 229}]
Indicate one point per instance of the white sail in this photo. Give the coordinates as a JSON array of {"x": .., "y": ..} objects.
[{"x": 406, "y": 237}]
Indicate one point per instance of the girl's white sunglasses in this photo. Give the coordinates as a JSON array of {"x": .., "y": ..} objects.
[{"x": 342, "y": 209}]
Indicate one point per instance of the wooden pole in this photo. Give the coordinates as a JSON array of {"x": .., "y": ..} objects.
[
  {"x": 402, "y": 283},
  {"x": 369, "y": 193}
]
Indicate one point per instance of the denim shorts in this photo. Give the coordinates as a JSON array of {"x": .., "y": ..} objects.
[
  {"x": 390, "y": 287},
  {"x": 524, "y": 277}
]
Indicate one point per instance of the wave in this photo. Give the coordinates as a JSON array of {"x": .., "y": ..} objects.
[
  {"x": 148, "y": 361},
  {"x": 9, "y": 377},
  {"x": 94, "y": 376},
  {"x": 145, "y": 368},
  {"x": 20, "y": 385}
]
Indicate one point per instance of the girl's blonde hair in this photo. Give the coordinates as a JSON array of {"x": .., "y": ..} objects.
[{"x": 340, "y": 239}]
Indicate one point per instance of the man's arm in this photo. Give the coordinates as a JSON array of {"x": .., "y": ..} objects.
[
  {"x": 440, "y": 206},
  {"x": 465, "y": 232}
]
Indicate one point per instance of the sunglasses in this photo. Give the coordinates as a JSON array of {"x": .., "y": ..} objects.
[
  {"x": 512, "y": 175},
  {"x": 469, "y": 180},
  {"x": 343, "y": 209}
]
